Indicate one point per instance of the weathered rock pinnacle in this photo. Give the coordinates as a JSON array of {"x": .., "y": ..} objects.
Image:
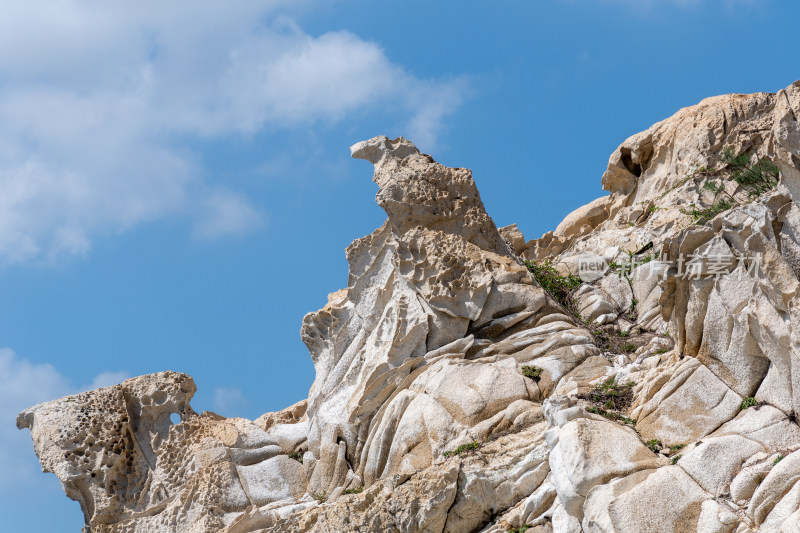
[{"x": 458, "y": 391}]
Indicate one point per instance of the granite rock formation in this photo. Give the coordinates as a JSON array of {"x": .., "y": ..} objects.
[{"x": 454, "y": 394}]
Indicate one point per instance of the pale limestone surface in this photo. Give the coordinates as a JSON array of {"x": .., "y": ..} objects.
[
  {"x": 423, "y": 352},
  {"x": 586, "y": 452}
]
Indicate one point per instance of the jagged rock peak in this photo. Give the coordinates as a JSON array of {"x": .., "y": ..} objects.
[
  {"x": 653, "y": 160},
  {"x": 454, "y": 394},
  {"x": 378, "y": 148},
  {"x": 656, "y": 177},
  {"x": 416, "y": 191}
]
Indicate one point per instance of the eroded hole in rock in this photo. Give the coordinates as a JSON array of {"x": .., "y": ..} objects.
[
  {"x": 160, "y": 397},
  {"x": 175, "y": 418},
  {"x": 627, "y": 160}
]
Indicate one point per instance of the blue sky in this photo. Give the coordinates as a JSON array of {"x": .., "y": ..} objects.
[{"x": 176, "y": 190}]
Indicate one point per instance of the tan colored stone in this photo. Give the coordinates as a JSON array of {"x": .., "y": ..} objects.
[
  {"x": 691, "y": 404},
  {"x": 424, "y": 349},
  {"x": 665, "y": 500}
]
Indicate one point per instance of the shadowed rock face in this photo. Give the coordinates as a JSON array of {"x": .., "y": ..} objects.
[{"x": 424, "y": 352}]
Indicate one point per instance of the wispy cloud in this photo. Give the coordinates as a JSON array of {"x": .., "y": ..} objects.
[
  {"x": 23, "y": 384},
  {"x": 106, "y": 379},
  {"x": 227, "y": 400},
  {"x": 225, "y": 213},
  {"x": 99, "y": 105}
]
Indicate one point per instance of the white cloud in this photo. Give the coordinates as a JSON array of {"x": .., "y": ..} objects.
[
  {"x": 22, "y": 385},
  {"x": 99, "y": 102},
  {"x": 224, "y": 213},
  {"x": 228, "y": 399},
  {"x": 106, "y": 379}
]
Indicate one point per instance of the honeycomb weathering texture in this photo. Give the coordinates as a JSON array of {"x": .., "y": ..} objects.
[{"x": 454, "y": 394}]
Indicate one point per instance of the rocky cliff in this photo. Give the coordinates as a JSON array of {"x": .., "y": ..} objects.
[{"x": 635, "y": 370}]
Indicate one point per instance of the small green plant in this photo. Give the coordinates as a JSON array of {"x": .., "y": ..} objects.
[
  {"x": 628, "y": 347},
  {"x": 777, "y": 460},
  {"x": 474, "y": 445},
  {"x": 611, "y": 415},
  {"x": 561, "y": 288},
  {"x": 521, "y": 529},
  {"x": 601, "y": 338},
  {"x": 711, "y": 211},
  {"x": 608, "y": 398},
  {"x": 755, "y": 178},
  {"x": 749, "y": 402},
  {"x": 533, "y": 372},
  {"x": 675, "y": 447},
  {"x": 359, "y": 490},
  {"x": 297, "y": 456},
  {"x": 752, "y": 178},
  {"x": 661, "y": 350},
  {"x": 654, "y": 445},
  {"x": 321, "y": 497},
  {"x": 676, "y": 459},
  {"x": 611, "y": 386}
]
